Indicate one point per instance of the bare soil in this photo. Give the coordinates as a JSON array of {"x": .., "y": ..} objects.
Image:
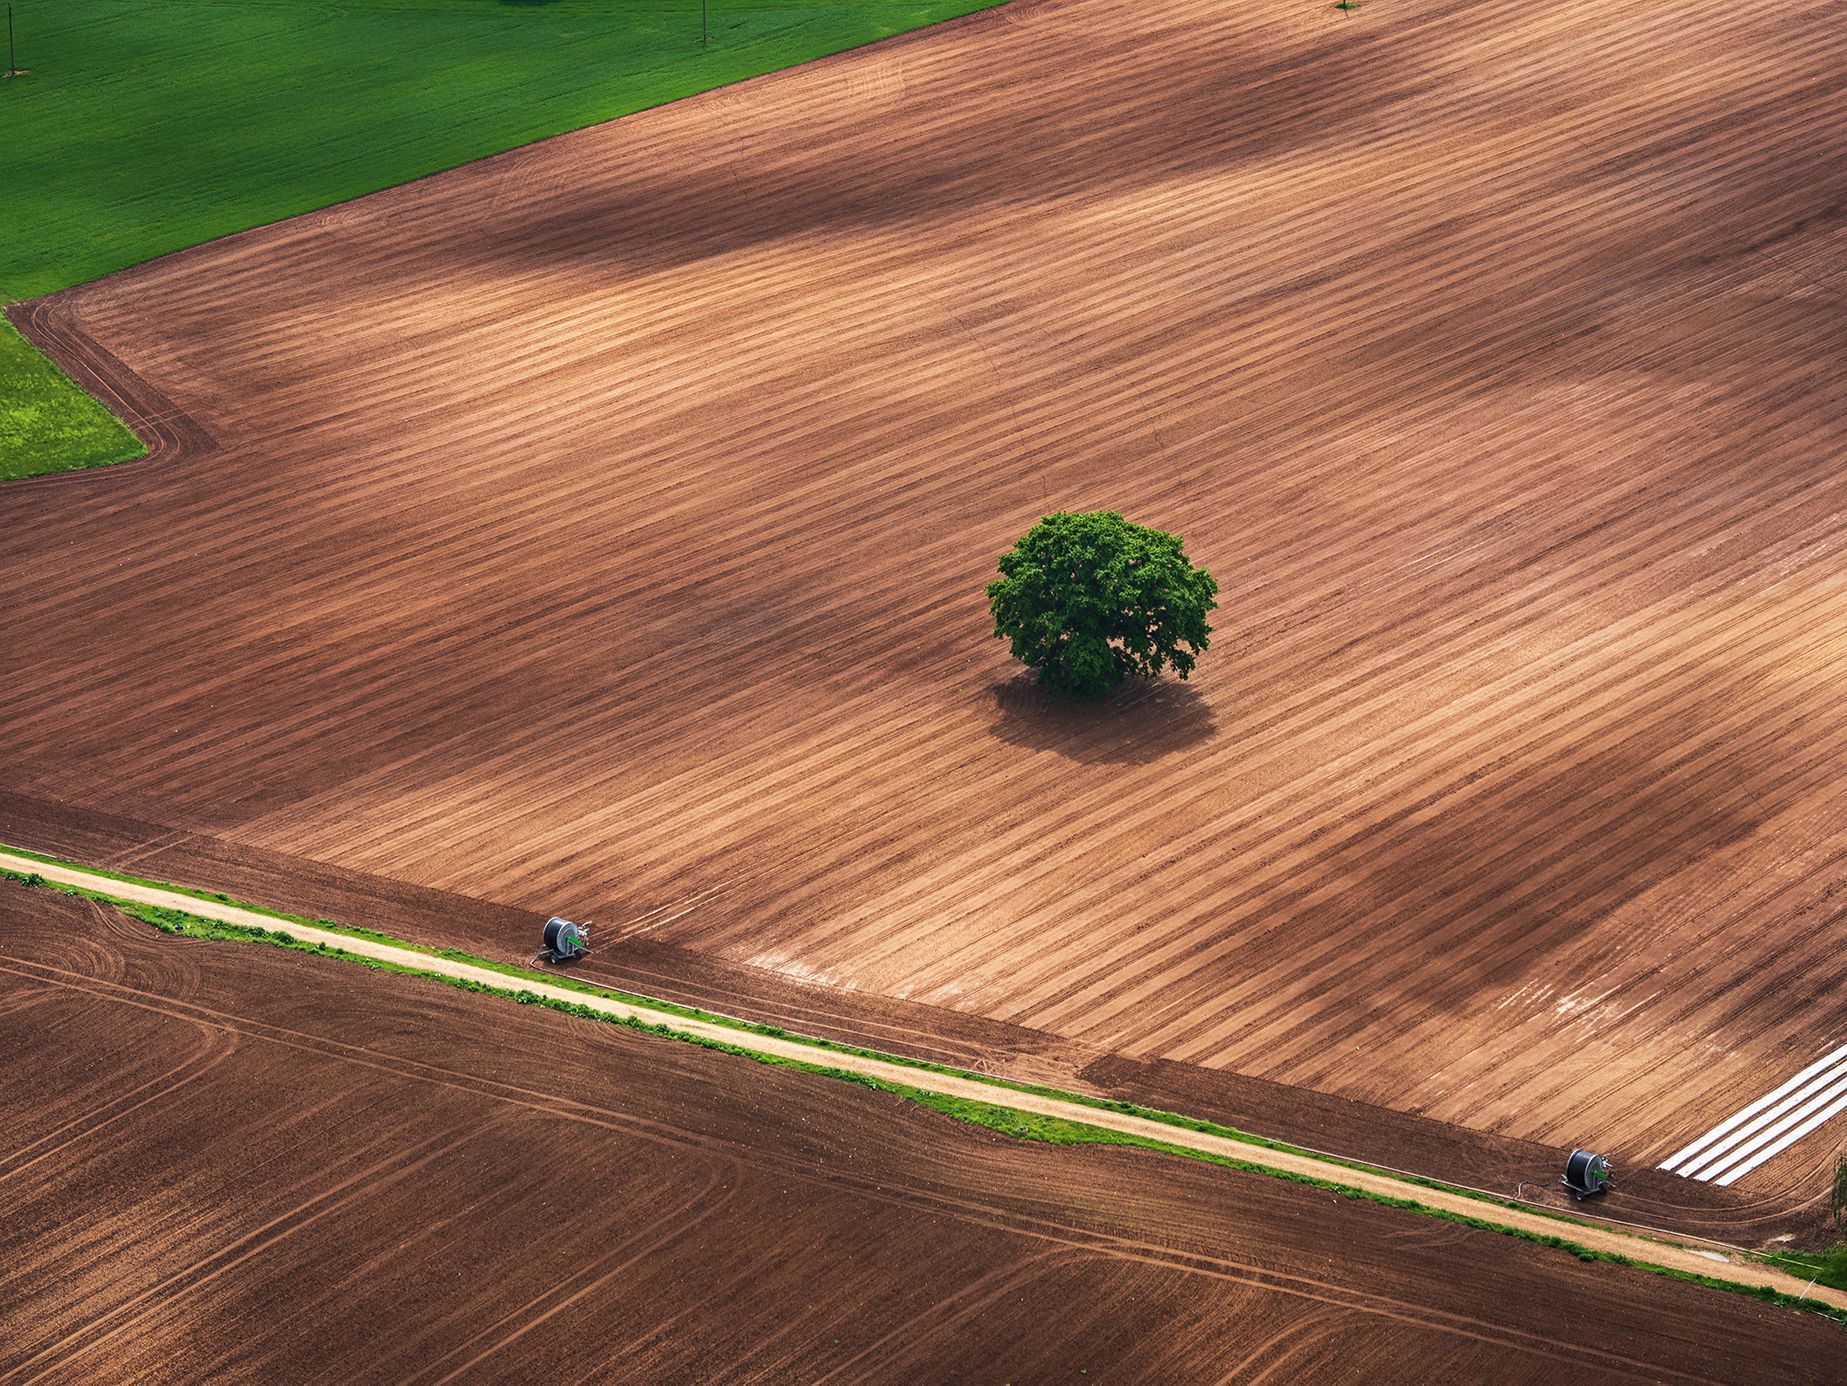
[
  {"x": 601, "y": 529},
  {"x": 229, "y": 1162}
]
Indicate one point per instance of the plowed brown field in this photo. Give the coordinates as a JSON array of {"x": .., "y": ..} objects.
[
  {"x": 602, "y": 528},
  {"x": 228, "y": 1162}
]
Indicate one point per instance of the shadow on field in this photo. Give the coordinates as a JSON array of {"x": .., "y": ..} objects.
[
  {"x": 1528, "y": 868},
  {"x": 1138, "y": 724},
  {"x": 1226, "y": 105}
]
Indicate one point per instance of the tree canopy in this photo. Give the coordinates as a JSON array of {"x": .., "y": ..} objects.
[{"x": 1089, "y": 599}]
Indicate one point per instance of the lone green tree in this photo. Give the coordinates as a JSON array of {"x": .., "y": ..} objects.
[{"x": 1088, "y": 600}]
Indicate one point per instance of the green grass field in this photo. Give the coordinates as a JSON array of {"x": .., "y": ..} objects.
[
  {"x": 142, "y": 128},
  {"x": 47, "y": 424}
]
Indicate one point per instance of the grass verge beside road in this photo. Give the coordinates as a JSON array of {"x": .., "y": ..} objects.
[
  {"x": 1823, "y": 1267},
  {"x": 1013, "y": 1110},
  {"x": 144, "y": 129}
]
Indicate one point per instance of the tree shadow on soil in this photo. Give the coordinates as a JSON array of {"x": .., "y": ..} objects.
[{"x": 1139, "y": 723}]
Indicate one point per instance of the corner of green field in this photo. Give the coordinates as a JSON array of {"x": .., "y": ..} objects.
[
  {"x": 47, "y": 422},
  {"x": 136, "y": 137}
]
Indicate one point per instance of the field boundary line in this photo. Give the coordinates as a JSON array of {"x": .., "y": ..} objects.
[{"x": 1653, "y": 1250}]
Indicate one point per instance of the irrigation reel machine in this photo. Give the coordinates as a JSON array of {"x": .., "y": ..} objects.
[{"x": 565, "y": 942}]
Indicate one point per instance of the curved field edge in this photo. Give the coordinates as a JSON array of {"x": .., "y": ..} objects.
[
  {"x": 148, "y": 130},
  {"x": 997, "y": 1116}
]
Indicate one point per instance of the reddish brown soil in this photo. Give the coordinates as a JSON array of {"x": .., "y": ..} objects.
[
  {"x": 229, "y": 1162},
  {"x": 602, "y": 527}
]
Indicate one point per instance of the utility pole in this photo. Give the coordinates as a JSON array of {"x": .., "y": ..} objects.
[
  {"x": 12, "y": 68},
  {"x": 705, "y": 29}
]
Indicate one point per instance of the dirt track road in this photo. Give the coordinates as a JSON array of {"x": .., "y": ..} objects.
[
  {"x": 223, "y": 1162},
  {"x": 1660, "y": 1249}
]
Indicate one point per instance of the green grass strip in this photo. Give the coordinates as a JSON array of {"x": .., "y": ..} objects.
[
  {"x": 1822, "y": 1267},
  {"x": 146, "y": 128}
]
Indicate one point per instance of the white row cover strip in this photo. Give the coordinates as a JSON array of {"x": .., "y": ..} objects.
[
  {"x": 1788, "y": 1139},
  {"x": 1767, "y": 1128},
  {"x": 1776, "y": 1120}
]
